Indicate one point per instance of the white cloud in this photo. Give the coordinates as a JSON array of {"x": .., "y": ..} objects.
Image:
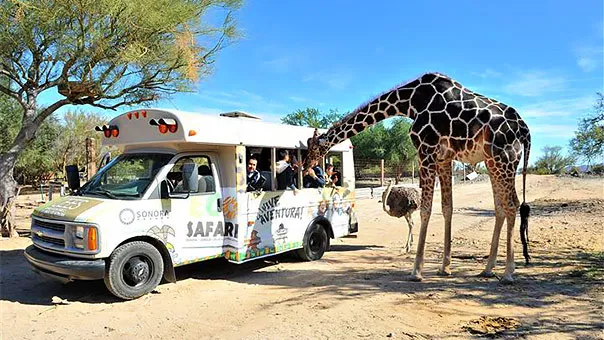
[
  {"x": 298, "y": 99},
  {"x": 488, "y": 73},
  {"x": 552, "y": 130},
  {"x": 589, "y": 58},
  {"x": 235, "y": 104},
  {"x": 252, "y": 96},
  {"x": 241, "y": 100},
  {"x": 280, "y": 64},
  {"x": 535, "y": 83},
  {"x": 335, "y": 80},
  {"x": 587, "y": 64},
  {"x": 558, "y": 108}
]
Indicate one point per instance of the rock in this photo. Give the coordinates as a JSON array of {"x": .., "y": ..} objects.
[
  {"x": 58, "y": 301},
  {"x": 491, "y": 326}
]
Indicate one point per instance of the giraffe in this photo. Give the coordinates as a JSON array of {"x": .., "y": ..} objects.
[{"x": 450, "y": 122}]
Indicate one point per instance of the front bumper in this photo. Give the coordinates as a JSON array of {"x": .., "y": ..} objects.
[{"x": 64, "y": 268}]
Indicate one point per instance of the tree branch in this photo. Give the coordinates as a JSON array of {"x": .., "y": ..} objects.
[
  {"x": 13, "y": 95},
  {"x": 49, "y": 110},
  {"x": 5, "y": 71}
]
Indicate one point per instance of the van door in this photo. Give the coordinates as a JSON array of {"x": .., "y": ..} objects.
[{"x": 197, "y": 214}]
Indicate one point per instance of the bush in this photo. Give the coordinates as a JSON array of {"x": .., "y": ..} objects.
[{"x": 598, "y": 169}]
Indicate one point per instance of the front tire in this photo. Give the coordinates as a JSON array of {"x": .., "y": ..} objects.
[
  {"x": 134, "y": 269},
  {"x": 315, "y": 243}
]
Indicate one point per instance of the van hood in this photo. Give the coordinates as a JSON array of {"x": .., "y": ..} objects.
[{"x": 67, "y": 208}]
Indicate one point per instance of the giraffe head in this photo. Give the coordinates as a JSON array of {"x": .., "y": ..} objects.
[{"x": 317, "y": 148}]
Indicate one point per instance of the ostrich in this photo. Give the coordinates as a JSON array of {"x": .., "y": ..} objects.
[{"x": 402, "y": 201}]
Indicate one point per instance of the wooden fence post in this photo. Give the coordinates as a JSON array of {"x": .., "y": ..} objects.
[{"x": 90, "y": 158}]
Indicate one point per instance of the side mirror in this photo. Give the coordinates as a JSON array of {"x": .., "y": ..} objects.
[
  {"x": 189, "y": 177},
  {"x": 73, "y": 177}
]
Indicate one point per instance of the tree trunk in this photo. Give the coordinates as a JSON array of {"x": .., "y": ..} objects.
[
  {"x": 8, "y": 185},
  {"x": 8, "y": 194}
]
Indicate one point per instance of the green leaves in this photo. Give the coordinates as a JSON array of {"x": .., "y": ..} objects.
[
  {"x": 552, "y": 161},
  {"x": 392, "y": 143},
  {"x": 588, "y": 142},
  {"x": 312, "y": 117},
  {"x": 103, "y": 53},
  {"x": 119, "y": 46}
]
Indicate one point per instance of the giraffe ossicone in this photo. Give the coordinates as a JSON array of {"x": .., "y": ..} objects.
[{"x": 450, "y": 122}]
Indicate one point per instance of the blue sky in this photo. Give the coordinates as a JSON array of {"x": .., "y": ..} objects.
[{"x": 545, "y": 58}]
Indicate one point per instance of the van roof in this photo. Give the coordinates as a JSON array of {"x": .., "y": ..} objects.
[{"x": 139, "y": 127}]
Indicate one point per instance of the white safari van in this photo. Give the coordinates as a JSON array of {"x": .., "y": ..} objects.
[{"x": 177, "y": 194}]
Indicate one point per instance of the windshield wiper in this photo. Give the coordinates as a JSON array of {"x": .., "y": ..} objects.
[
  {"x": 123, "y": 194},
  {"x": 102, "y": 191}
]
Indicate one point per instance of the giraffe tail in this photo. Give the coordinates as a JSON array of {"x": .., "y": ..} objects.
[{"x": 525, "y": 209}]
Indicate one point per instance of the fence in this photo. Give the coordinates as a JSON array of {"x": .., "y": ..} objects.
[{"x": 376, "y": 173}]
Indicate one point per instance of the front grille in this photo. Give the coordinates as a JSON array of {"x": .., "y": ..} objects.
[
  {"x": 49, "y": 225},
  {"x": 55, "y": 241}
]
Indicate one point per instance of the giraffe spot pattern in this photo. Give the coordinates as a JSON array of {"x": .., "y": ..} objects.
[{"x": 449, "y": 122}]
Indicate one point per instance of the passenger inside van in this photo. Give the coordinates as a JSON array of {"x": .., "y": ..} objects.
[
  {"x": 255, "y": 181},
  {"x": 285, "y": 172},
  {"x": 314, "y": 177}
]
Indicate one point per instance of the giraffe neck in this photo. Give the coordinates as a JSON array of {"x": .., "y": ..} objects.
[
  {"x": 389, "y": 104},
  {"x": 405, "y": 100}
]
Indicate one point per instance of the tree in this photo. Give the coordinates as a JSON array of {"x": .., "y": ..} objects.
[
  {"x": 104, "y": 53},
  {"x": 393, "y": 144},
  {"x": 9, "y": 121},
  {"x": 38, "y": 162},
  {"x": 588, "y": 142},
  {"x": 371, "y": 143},
  {"x": 552, "y": 161},
  {"x": 312, "y": 117},
  {"x": 400, "y": 151},
  {"x": 69, "y": 148}
]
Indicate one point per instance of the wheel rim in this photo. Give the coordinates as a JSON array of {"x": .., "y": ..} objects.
[
  {"x": 315, "y": 242},
  {"x": 137, "y": 271}
]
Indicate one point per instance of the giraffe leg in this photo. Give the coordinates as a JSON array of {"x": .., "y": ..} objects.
[
  {"x": 410, "y": 235},
  {"x": 427, "y": 175},
  {"x": 510, "y": 207},
  {"x": 499, "y": 218},
  {"x": 446, "y": 188}
]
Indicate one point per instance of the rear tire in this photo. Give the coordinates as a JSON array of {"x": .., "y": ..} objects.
[
  {"x": 315, "y": 243},
  {"x": 133, "y": 270}
]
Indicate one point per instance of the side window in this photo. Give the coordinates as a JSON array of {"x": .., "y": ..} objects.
[
  {"x": 333, "y": 167},
  {"x": 287, "y": 165},
  {"x": 206, "y": 183},
  {"x": 261, "y": 157}
]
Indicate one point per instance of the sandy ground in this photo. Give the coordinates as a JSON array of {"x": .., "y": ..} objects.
[{"x": 358, "y": 289}]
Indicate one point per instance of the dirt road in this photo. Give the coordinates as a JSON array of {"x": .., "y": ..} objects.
[{"x": 358, "y": 289}]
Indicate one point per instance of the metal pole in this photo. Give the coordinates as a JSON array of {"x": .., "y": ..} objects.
[
  {"x": 382, "y": 172},
  {"x": 412, "y": 172}
]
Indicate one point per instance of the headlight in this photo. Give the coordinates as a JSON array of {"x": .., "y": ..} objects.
[
  {"x": 85, "y": 237},
  {"x": 79, "y": 232}
]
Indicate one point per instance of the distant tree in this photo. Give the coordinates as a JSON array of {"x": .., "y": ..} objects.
[
  {"x": 105, "y": 53},
  {"x": 588, "y": 142},
  {"x": 38, "y": 163},
  {"x": 371, "y": 143},
  {"x": 10, "y": 120},
  {"x": 552, "y": 161},
  {"x": 393, "y": 144},
  {"x": 70, "y": 146},
  {"x": 400, "y": 151},
  {"x": 312, "y": 117}
]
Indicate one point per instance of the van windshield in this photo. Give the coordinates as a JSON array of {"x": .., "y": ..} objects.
[{"x": 125, "y": 177}]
